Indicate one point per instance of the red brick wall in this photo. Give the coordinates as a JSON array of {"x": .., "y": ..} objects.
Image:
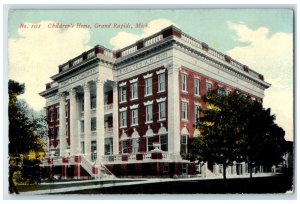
[{"x": 142, "y": 127}]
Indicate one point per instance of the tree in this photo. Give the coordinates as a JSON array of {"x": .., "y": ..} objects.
[
  {"x": 236, "y": 128},
  {"x": 24, "y": 134}
]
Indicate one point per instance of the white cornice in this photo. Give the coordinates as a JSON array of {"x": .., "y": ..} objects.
[
  {"x": 148, "y": 103},
  {"x": 161, "y": 71},
  {"x": 123, "y": 84},
  {"x": 134, "y": 106},
  {"x": 133, "y": 80},
  {"x": 148, "y": 75},
  {"x": 185, "y": 100},
  {"x": 161, "y": 100},
  {"x": 123, "y": 109}
]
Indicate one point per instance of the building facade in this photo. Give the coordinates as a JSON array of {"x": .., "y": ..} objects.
[{"x": 131, "y": 111}]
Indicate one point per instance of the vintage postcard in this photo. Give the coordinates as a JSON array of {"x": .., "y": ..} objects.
[{"x": 170, "y": 101}]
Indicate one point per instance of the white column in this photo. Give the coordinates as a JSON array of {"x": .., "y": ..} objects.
[
  {"x": 100, "y": 119},
  {"x": 173, "y": 109},
  {"x": 62, "y": 124},
  {"x": 115, "y": 120},
  {"x": 87, "y": 120},
  {"x": 74, "y": 149},
  {"x": 216, "y": 169}
]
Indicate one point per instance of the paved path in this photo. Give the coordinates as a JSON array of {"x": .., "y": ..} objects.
[{"x": 104, "y": 183}]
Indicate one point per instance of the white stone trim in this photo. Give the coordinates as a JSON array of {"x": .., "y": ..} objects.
[
  {"x": 135, "y": 106},
  {"x": 123, "y": 109},
  {"x": 133, "y": 80},
  {"x": 161, "y": 100},
  {"x": 123, "y": 84},
  {"x": 185, "y": 100},
  {"x": 148, "y": 103},
  {"x": 160, "y": 71},
  {"x": 209, "y": 81},
  {"x": 148, "y": 75},
  {"x": 197, "y": 104}
]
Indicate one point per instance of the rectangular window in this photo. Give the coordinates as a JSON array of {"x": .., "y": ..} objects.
[
  {"x": 208, "y": 87},
  {"x": 184, "y": 143},
  {"x": 162, "y": 110},
  {"x": 67, "y": 111},
  {"x": 166, "y": 168},
  {"x": 51, "y": 116},
  {"x": 51, "y": 133},
  {"x": 93, "y": 124},
  {"x": 197, "y": 113},
  {"x": 135, "y": 145},
  {"x": 197, "y": 87},
  {"x": 82, "y": 104},
  {"x": 184, "y": 168},
  {"x": 57, "y": 131},
  {"x": 125, "y": 146},
  {"x": 134, "y": 90},
  {"x": 148, "y": 86},
  {"x": 150, "y": 143},
  {"x": 108, "y": 146},
  {"x": 82, "y": 126},
  {"x": 163, "y": 142},
  {"x": 57, "y": 113},
  {"x": 123, "y": 93},
  {"x": 82, "y": 147},
  {"x": 134, "y": 117},
  {"x": 123, "y": 118},
  {"x": 67, "y": 131},
  {"x": 184, "y": 107},
  {"x": 161, "y": 82},
  {"x": 221, "y": 91},
  {"x": 93, "y": 150},
  {"x": 184, "y": 82},
  {"x": 149, "y": 113},
  {"x": 93, "y": 102}
]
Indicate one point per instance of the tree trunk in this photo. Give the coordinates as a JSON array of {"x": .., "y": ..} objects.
[
  {"x": 224, "y": 171},
  {"x": 12, "y": 186},
  {"x": 250, "y": 169}
]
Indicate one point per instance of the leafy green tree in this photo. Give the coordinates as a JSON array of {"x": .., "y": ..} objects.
[
  {"x": 24, "y": 134},
  {"x": 236, "y": 128}
]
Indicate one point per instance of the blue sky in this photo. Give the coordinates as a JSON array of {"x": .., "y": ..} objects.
[{"x": 259, "y": 38}]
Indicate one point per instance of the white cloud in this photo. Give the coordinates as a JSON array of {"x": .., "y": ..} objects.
[
  {"x": 36, "y": 54},
  {"x": 271, "y": 55},
  {"x": 123, "y": 39}
]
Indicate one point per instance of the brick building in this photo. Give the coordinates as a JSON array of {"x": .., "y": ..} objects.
[{"x": 132, "y": 111}]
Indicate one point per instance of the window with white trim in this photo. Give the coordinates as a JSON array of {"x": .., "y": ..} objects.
[
  {"x": 51, "y": 133},
  {"x": 184, "y": 109},
  {"x": 51, "y": 115},
  {"x": 93, "y": 150},
  {"x": 161, "y": 82},
  {"x": 134, "y": 90},
  {"x": 197, "y": 86},
  {"x": 82, "y": 105},
  {"x": 82, "y": 147},
  {"x": 148, "y": 86},
  {"x": 184, "y": 82},
  {"x": 197, "y": 113},
  {"x": 67, "y": 111},
  {"x": 57, "y": 113},
  {"x": 150, "y": 143},
  {"x": 163, "y": 142},
  {"x": 108, "y": 146},
  {"x": 123, "y": 118},
  {"x": 93, "y": 102},
  {"x": 162, "y": 110},
  {"x": 82, "y": 126},
  {"x": 57, "y": 131},
  {"x": 122, "y": 92},
  {"x": 93, "y": 124},
  {"x": 135, "y": 145},
  {"x": 125, "y": 146},
  {"x": 184, "y": 168},
  {"x": 184, "y": 143},
  {"x": 149, "y": 113},
  {"x": 134, "y": 117},
  {"x": 67, "y": 130},
  {"x": 208, "y": 87}
]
